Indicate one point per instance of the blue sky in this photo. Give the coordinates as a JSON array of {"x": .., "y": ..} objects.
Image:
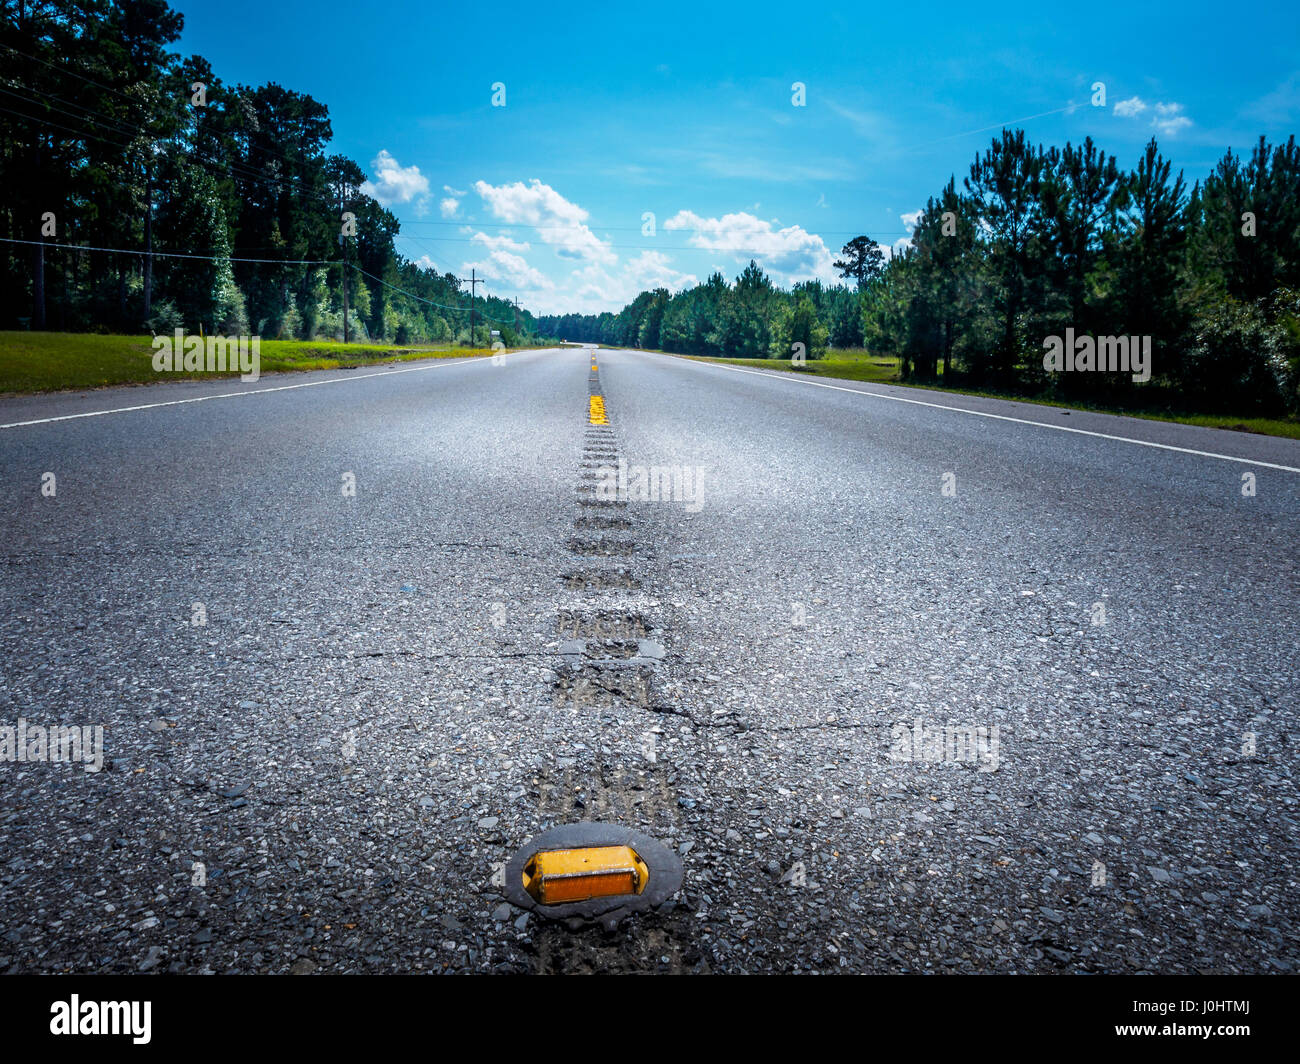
[{"x": 686, "y": 111}]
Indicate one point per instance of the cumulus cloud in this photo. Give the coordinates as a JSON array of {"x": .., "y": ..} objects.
[
  {"x": 596, "y": 287},
  {"x": 653, "y": 269},
  {"x": 909, "y": 220},
  {"x": 449, "y": 205},
  {"x": 558, "y": 222},
  {"x": 789, "y": 254},
  {"x": 1166, "y": 118},
  {"x": 510, "y": 271},
  {"x": 500, "y": 243},
  {"x": 394, "y": 183},
  {"x": 1170, "y": 118}
]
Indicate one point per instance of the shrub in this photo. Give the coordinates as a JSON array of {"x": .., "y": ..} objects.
[
  {"x": 166, "y": 318},
  {"x": 1236, "y": 361}
]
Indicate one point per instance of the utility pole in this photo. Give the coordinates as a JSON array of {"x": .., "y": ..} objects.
[
  {"x": 148, "y": 239},
  {"x": 38, "y": 266},
  {"x": 343, "y": 242},
  {"x": 473, "y": 281},
  {"x": 516, "y": 301},
  {"x": 343, "y": 254}
]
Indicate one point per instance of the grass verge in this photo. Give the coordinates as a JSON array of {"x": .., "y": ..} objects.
[
  {"x": 50, "y": 361},
  {"x": 863, "y": 367}
]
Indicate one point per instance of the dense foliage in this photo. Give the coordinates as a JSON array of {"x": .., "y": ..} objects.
[
  {"x": 102, "y": 141},
  {"x": 1034, "y": 241}
]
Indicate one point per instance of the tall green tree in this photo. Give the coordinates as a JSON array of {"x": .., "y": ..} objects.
[
  {"x": 1151, "y": 257},
  {"x": 1005, "y": 184},
  {"x": 862, "y": 261},
  {"x": 945, "y": 308}
]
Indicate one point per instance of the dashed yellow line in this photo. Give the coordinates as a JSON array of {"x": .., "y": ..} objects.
[{"x": 596, "y": 412}]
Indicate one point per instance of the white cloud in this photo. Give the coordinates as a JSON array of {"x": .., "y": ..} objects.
[
  {"x": 502, "y": 242},
  {"x": 511, "y": 271},
  {"x": 1168, "y": 118},
  {"x": 395, "y": 183},
  {"x": 450, "y": 204},
  {"x": 652, "y": 269},
  {"x": 559, "y": 223},
  {"x": 909, "y": 220},
  {"x": 595, "y": 287},
  {"x": 789, "y": 254}
]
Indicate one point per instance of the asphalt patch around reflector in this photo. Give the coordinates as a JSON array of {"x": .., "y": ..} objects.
[{"x": 664, "y": 880}]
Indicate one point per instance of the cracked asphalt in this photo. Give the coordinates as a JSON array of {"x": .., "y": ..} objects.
[{"x": 392, "y": 690}]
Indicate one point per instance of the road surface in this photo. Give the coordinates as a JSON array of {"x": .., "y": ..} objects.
[{"x": 911, "y": 681}]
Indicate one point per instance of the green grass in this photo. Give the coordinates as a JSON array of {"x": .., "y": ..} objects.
[
  {"x": 49, "y": 361},
  {"x": 859, "y": 365},
  {"x": 849, "y": 365}
]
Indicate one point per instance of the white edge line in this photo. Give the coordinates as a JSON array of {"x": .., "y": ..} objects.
[
  {"x": 778, "y": 375},
  {"x": 439, "y": 364}
]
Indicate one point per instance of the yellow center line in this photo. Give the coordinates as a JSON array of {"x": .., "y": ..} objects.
[{"x": 596, "y": 411}]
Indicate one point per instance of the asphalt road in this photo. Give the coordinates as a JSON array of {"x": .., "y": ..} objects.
[{"x": 394, "y": 689}]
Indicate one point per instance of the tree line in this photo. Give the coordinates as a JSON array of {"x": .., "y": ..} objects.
[
  {"x": 143, "y": 191},
  {"x": 751, "y": 318},
  {"x": 1034, "y": 241}
]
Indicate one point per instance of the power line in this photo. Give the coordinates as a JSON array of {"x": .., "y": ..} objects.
[
  {"x": 178, "y": 111},
  {"x": 64, "y": 70},
  {"x": 237, "y": 258},
  {"x": 214, "y": 257},
  {"x": 424, "y": 247},
  {"x": 226, "y": 168},
  {"x": 421, "y": 299},
  {"x": 651, "y": 246},
  {"x": 630, "y": 228},
  {"x": 232, "y": 168},
  {"x": 98, "y": 119},
  {"x": 80, "y": 133},
  {"x": 241, "y": 171}
]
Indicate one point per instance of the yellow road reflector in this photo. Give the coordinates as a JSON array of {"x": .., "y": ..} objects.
[
  {"x": 592, "y": 872},
  {"x": 596, "y": 412},
  {"x": 553, "y": 877}
]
